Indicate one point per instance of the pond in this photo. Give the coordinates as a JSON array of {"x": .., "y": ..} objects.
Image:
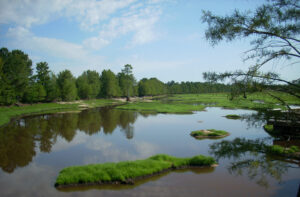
[{"x": 34, "y": 149}]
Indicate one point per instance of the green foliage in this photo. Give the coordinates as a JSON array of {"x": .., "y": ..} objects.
[
  {"x": 110, "y": 85},
  {"x": 151, "y": 87},
  {"x": 274, "y": 30},
  {"x": 53, "y": 91},
  {"x": 67, "y": 85},
  {"x": 34, "y": 92},
  {"x": 127, "y": 81},
  {"x": 269, "y": 127},
  {"x": 196, "y": 87},
  {"x": 126, "y": 170},
  {"x": 88, "y": 85},
  {"x": 15, "y": 74}
]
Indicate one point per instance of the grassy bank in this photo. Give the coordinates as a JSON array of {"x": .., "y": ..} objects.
[
  {"x": 254, "y": 101},
  {"x": 157, "y": 106},
  {"x": 210, "y": 133},
  {"x": 6, "y": 113},
  {"x": 186, "y": 103},
  {"x": 126, "y": 171}
]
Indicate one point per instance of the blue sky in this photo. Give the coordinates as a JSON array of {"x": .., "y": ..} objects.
[{"x": 159, "y": 38}]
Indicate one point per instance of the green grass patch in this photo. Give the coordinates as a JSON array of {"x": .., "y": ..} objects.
[
  {"x": 162, "y": 107},
  {"x": 126, "y": 170},
  {"x": 210, "y": 133},
  {"x": 222, "y": 100},
  {"x": 269, "y": 127},
  {"x": 233, "y": 116},
  {"x": 279, "y": 150}
]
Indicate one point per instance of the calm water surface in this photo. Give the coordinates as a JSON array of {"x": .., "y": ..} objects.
[{"x": 34, "y": 149}]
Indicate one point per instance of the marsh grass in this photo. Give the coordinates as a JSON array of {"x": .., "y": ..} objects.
[
  {"x": 126, "y": 170},
  {"x": 279, "y": 150}
]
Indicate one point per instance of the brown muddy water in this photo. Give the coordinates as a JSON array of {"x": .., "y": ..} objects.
[{"x": 34, "y": 149}]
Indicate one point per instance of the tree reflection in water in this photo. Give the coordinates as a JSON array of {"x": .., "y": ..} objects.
[
  {"x": 251, "y": 157},
  {"x": 20, "y": 138}
]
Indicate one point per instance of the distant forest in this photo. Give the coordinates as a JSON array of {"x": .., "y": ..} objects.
[{"x": 19, "y": 84}]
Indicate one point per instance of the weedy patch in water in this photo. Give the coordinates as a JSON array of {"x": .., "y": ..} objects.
[
  {"x": 209, "y": 133},
  {"x": 126, "y": 172},
  {"x": 269, "y": 127},
  {"x": 233, "y": 116}
]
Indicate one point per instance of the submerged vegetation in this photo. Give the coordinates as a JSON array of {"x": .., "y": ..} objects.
[
  {"x": 125, "y": 172},
  {"x": 209, "y": 133}
]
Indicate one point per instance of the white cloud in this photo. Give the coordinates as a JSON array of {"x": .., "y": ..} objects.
[
  {"x": 31, "y": 12},
  {"x": 27, "y": 13},
  {"x": 140, "y": 22},
  {"x": 107, "y": 20},
  {"x": 24, "y": 39}
]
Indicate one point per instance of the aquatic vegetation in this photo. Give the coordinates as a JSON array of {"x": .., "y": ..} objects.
[
  {"x": 279, "y": 150},
  {"x": 126, "y": 171},
  {"x": 269, "y": 127},
  {"x": 233, "y": 116},
  {"x": 210, "y": 133}
]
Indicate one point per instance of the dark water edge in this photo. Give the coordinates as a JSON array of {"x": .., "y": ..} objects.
[{"x": 34, "y": 149}]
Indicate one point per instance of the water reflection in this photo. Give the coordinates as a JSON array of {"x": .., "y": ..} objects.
[
  {"x": 20, "y": 139},
  {"x": 249, "y": 157}
]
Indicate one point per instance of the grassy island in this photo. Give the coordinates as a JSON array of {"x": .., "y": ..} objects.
[
  {"x": 126, "y": 172},
  {"x": 233, "y": 116},
  {"x": 210, "y": 133}
]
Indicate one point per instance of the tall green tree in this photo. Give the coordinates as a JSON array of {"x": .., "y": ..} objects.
[
  {"x": 88, "y": 85},
  {"x": 274, "y": 29},
  {"x": 16, "y": 70},
  {"x": 53, "y": 92},
  {"x": 151, "y": 87},
  {"x": 67, "y": 85},
  {"x": 110, "y": 86},
  {"x": 127, "y": 81}
]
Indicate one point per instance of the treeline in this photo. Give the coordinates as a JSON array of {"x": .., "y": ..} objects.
[
  {"x": 196, "y": 87},
  {"x": 19, "y": 84}
]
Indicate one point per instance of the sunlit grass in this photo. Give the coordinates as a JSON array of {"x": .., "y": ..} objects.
[{"x": 125, "y": 170}]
